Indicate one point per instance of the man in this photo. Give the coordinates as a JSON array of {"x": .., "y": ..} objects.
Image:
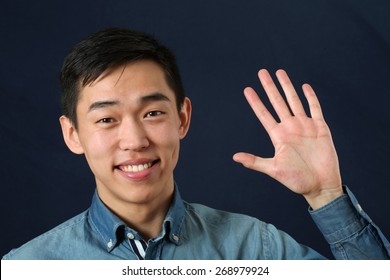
[{"x": 124, "y": 108}]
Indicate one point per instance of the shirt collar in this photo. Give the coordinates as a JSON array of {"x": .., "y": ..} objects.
[
  {"x": 107, "y": 223},
  {"x": 175, "y": 218}
]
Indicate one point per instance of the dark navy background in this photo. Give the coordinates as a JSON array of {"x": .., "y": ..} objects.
[{"x": 340, "y": 47}]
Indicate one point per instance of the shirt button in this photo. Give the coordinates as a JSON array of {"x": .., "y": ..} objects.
[
  {"x": 130, "y": 236},
  {"x": 175, "y": 237},
  {"x": 109, "y": 244}
]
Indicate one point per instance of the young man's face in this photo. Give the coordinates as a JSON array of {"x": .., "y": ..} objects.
[{"x": 129, "y": 130}]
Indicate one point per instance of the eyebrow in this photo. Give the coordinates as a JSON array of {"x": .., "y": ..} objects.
[
  {"x": 102, "y": 104},
  {"x": 157, "y": 96},
  {"x": 142, "y": 100}
]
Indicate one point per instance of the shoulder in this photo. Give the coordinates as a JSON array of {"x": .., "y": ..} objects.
[
  {"x": 225, "y": 234},
  {"x": 46, "y": 245},
  {"x": 238, "y": 236},
  {"x": 211, "y": 216},
  {"x": 201, "y": 218}
]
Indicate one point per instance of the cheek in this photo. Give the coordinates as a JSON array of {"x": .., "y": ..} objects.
[
  {"x": 166, "y": 138},
  {"x": 97, "y": 147}
]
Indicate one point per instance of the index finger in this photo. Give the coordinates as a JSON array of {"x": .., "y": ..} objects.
[{"x": 262, "y": 113}]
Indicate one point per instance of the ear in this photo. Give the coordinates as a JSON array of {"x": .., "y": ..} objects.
[
  {"x": 185, "y": 118},
  {"x": 70, "y": 135}
]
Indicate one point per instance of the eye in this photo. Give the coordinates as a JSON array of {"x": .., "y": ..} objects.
[
  {"x": 154, "y": 114},
  {"x": 106, "y": 120}
]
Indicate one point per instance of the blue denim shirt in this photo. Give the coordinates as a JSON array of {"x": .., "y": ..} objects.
[{"x": 194, "y": 231}]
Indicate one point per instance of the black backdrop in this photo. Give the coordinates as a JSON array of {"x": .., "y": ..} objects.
[{"x": 341, "y": 47}]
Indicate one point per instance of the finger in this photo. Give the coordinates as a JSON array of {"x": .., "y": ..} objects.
[
  {"x": 314, "y": 104},
  {"x": 262, "y": 113},
  {"x": 292, "y": 97},
  {"x": 273, "y": 94},
  {"x": 253, "y": 162}
]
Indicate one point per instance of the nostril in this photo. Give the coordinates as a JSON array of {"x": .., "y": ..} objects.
[{"x": 134, "y": 145}]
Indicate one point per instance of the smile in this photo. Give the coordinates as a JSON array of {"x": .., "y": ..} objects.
[
  {"x": 135, "y": 168},
  {"x": 140, "y": 167}
]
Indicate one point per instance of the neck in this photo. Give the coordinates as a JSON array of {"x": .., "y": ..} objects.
[
  {"x": 146, "y": 217},
  {"x": 146, "y": 220}
]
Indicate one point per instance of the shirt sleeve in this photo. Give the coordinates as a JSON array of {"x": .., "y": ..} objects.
[{"x": 349, "y": 231}]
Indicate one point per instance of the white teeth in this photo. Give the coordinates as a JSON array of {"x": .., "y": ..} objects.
[{"x": 136, "y": 168}]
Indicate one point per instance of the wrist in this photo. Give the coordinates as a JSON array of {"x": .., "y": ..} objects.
[{"x": 323, "y": 197}]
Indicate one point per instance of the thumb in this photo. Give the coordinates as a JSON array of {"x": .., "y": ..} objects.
[{"x": 254, "y": 162}]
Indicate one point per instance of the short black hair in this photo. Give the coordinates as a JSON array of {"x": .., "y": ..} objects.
[{"x": 107, "y": 49}]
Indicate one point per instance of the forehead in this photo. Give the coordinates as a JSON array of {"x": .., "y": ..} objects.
[{"x": 129, "y": 81}]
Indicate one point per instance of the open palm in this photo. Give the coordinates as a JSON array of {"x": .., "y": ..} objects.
[{"x": 305, "y": 159}]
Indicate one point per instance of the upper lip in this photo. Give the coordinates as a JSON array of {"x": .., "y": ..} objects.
[{"x": 137, "y": 161}]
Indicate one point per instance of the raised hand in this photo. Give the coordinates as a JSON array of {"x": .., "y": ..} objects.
[{"x": 305, "y": 160}]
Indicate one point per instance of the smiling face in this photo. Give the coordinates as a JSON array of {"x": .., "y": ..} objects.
[{"x": 129, "y": 130}]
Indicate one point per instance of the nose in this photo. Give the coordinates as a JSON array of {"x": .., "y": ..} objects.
[{"x": 132, "y": 136}]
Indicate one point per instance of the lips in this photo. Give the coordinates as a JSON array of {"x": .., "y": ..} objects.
[{"x": 136, "y": 169}]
